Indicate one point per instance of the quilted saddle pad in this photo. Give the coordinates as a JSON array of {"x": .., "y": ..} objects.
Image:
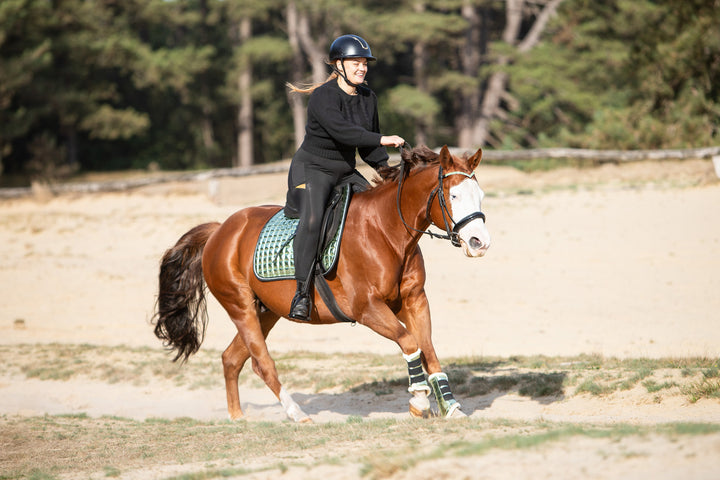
[{"x": 274, "y": 259}]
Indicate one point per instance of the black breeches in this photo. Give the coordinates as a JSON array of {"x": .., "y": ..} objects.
[
  {"x": 314, "y": 198},
  {"x": 311, "y": 181}
]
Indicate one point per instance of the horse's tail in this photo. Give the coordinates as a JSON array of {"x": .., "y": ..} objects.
[{"x": 181, "y": 314}]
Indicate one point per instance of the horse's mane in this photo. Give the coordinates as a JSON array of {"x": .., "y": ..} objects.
[{"x": 417, "y": 157}]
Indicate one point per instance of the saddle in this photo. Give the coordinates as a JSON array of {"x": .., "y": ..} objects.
[{"x": 274, "y": 259}]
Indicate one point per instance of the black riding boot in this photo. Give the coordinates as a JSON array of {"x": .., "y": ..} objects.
[{"x": 301, "y": 303}]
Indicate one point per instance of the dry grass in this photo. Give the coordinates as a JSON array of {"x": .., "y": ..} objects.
[
  {"x": 534, "y": 377},
  {"x": 77, "y": 446},
  {"x": 47, "y": 447}
]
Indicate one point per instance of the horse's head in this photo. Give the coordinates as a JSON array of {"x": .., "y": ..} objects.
[{"x": 458, "y": 202}]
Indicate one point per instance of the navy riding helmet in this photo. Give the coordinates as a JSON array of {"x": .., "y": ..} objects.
[{"x": 350, "y": 46}]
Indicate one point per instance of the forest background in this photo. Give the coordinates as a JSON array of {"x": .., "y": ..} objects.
[{"x": 89, "y": 85}]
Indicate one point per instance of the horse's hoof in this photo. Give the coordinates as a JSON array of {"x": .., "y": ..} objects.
[
  {"x": 455, "y": 412},
  {"x": 305, "y": 420},
  {"x": 417, "y": 413},
  {"x": 420, "y": 406}
]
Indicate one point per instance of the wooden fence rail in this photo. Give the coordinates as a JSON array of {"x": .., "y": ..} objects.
[
  {"x": 600, "y": 155},
  {"x": 494, "y": 155}
]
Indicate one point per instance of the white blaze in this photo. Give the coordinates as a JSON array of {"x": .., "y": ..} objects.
[{"x": 466, "y": 199}]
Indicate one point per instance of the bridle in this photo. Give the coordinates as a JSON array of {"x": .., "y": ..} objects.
[{"x": 451, "y": 233}]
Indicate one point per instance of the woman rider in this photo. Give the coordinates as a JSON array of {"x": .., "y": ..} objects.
[{"x": 342, "y": 117}]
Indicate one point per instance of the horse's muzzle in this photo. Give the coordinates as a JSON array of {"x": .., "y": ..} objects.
[
  {"x": 474, "y": 247},
  {"x": 474, "y": 239}
]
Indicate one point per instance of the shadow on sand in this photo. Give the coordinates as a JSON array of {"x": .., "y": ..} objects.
[{"x": 475, "y": 386}]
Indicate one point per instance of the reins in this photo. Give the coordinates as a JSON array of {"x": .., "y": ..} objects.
[{"x": 451, "y": 233}]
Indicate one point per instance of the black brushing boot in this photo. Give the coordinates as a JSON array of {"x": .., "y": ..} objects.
[{"x": 301, "y": 305}]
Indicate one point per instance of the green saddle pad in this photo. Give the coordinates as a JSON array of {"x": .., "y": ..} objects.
[{"x": 274, "y": 259}]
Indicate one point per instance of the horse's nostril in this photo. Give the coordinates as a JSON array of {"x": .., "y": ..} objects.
[{"x": 475, "y": 243}]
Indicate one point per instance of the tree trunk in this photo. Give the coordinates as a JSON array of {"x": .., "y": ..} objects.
[
  {"x": 533, "y": 36},
  {"x": 297, "y": 105},
  {"x": 208, "y": 132},
  {"x": 420, "y": 59},
  {"x": 245, "y": 152},
  {"x": 470, "y": 58},
  {"x": 479, "y": 116},
  {"x": 315, "y": 49},
  {"x": 72, "y": 149}
]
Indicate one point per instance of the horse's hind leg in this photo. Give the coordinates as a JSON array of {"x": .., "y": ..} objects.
[
  {"x": 234, "y": 358},
  {"x": 239, "y": 303}
]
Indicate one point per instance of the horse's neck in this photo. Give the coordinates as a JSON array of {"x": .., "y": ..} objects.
[{"x": 381, "y": 202}]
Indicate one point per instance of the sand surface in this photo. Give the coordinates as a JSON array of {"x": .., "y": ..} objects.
[
  {"x": 614, "y": 265},
  {"x": 620, "y": 261}
]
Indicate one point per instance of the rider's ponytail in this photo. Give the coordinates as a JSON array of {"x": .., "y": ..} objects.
[{"x": 309, "y": 87}]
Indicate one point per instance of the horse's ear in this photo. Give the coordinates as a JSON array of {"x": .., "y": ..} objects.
[
  {"x": 474, "y": 161},
  {"x": 446, "y": 159}
]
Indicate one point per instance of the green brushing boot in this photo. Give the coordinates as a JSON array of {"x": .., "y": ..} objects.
[{"x": 447, "y": 404}]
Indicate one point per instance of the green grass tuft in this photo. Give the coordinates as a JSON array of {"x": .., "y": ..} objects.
[{"x": 706, "y": 388}]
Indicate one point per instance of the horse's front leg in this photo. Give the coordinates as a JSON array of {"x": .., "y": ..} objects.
[
  {"x": 418, "y": 385},
  {"x": 415, "y": 314},
  {"x": 418, "y": 324},
  {"x": 379, "y": 318}
]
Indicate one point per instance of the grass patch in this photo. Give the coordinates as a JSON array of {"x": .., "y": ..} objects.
[
  {"x": 145, "y": 366},
  {"x": 592, "y": 387},
  {"x": 653, "y": 387},
  {"x": 531, "y": 376},
  {"x": 530, "y": 384},
  {"x": 52, "y": 446},
  {"x": 539, "y": 376},
  {"x": 707, "y": 388}
]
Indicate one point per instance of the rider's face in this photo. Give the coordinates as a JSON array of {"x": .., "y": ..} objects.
[{"x": 355, "y": 69}]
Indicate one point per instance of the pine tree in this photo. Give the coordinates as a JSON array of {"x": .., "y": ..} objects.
[
  {"x": 622, "y": 74},
  {"x": 71, "y": 50}
]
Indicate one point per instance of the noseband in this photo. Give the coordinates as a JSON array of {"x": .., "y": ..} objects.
[{"x": 451, "y": 233}]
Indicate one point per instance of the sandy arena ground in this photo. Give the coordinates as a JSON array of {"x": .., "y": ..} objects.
[
  {"x": 620, "y": 261},
  {"x": 612, "y": 265},
  {"x": 617, "y": 260}
]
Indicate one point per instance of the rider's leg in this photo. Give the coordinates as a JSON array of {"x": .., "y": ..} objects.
[{"x": 317, "y": 189}]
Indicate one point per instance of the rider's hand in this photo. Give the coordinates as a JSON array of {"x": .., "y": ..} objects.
[{"x": 392, "y": 141}]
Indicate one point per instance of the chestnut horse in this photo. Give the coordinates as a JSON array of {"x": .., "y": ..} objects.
[{"x": 378, "y": 280}]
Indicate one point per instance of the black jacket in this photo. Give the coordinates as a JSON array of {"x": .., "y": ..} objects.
[{"x": 338, "y": 123}]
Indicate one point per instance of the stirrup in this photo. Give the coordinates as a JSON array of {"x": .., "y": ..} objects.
[{"x": 300, "y": 307}]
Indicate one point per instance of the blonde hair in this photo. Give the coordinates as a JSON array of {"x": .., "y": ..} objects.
[{"x": 309, "y": 87}]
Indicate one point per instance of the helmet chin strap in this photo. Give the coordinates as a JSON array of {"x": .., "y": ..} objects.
[{"x": 343, "y": 74}]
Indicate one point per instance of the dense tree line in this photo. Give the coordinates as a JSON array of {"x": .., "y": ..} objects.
[{"x": 111, "y": 84}]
